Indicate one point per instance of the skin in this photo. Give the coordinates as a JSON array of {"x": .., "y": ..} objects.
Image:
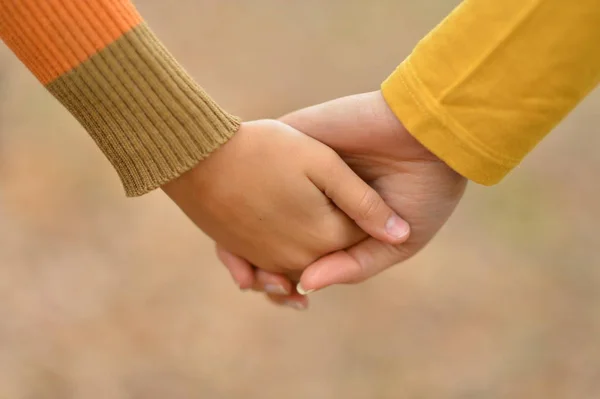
[
  {"x": 413, "y": 181},
  {"x": 281, "y": 199}
]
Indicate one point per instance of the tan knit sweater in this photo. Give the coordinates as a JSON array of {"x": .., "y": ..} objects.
[{"x": 104, "y": 64}]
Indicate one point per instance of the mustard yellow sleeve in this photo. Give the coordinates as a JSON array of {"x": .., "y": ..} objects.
[{"x": 492, "y": 79}]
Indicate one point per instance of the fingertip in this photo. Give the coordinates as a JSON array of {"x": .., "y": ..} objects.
[
  {"x": 397, "y": 230},
  {"x": 294, "y": 301},
  {"x": 243, "y": 277},
  {"x": 386, "y": 227},
  {"x": 336, "y": 268},
  {"x": 304, "y": 291},
  {"x": 241, "y": 270},
  {"x": 273, "y": 283}
]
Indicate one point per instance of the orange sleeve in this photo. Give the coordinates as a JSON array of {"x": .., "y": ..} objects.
[{"x": 52, "y": 37}]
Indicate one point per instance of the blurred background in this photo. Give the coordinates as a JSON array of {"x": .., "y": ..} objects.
[{"x": 107, "y": 297}]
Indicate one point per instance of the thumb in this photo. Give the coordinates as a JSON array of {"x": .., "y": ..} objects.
[
  {"x": 351, "y": 266},
  {"x": 360, "y": 202}
]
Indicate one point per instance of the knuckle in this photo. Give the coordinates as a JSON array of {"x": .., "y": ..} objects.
[
  {"x": 359, "y": 274},
  {"x": 332, "y": 161},
  {"x": 335, "y": 238},
  {"x": 369, "y": 205},
  {"x": 337, "y": 231},
  {"x": 329, "y": 153}
]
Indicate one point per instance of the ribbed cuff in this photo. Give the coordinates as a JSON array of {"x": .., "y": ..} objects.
[{"x": 147, "y": 115}]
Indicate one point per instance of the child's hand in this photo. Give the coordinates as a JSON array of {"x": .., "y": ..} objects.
[
  {"x": 277, "y": 198},
  {"x": 414, "y": 181}
]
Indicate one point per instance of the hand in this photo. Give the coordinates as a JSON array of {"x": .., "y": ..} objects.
[
  {"x": 412, "y": 180},
  {"x": 268, "y": 193}
]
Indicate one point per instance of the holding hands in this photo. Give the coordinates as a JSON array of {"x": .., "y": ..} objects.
[
  {"x": 410, "y": 179},
  {"x": 326, "y": 194},
  {"x": 282, "y": 200}
]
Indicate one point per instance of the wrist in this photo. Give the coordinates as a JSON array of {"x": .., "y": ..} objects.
[{"x": 383, "y": 115}]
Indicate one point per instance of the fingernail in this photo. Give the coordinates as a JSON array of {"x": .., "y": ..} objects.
[
  {"x": 302, "y": 291},
  {"x": 295, "y": 305},
  {"x": 276, "y": 289},
  {"x": 396, "y": 227}
]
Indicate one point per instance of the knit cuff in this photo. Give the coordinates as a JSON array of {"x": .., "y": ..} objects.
[
  {"x": 98, "y": 58},
  {"x": 143, "y": 110}
]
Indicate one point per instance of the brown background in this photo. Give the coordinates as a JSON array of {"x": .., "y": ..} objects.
[{"x": 104, "y": 297}]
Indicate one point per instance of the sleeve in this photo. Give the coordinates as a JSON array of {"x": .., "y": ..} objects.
[
  {"x": 492, "y": 79},
  {"x": 103, "y": 63}
]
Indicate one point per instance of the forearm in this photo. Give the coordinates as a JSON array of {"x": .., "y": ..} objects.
[
  {"x": 103, "y": 63},
  {"x": 487, "y": 84}
]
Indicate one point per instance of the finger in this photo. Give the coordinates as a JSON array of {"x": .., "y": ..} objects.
[
  {"x": 336, "y": 268},
  {"x": 294, "y": 301},
  {"x": 279, "y": 289},
  {"x": 272, "y": 283},
  {"x": 240, "y": 269},
  {"x": 356, "y": 264},
  {"x": 360, "y": 202}
]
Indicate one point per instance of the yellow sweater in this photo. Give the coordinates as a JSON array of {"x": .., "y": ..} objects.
[{"x": 488, "y": 83}]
